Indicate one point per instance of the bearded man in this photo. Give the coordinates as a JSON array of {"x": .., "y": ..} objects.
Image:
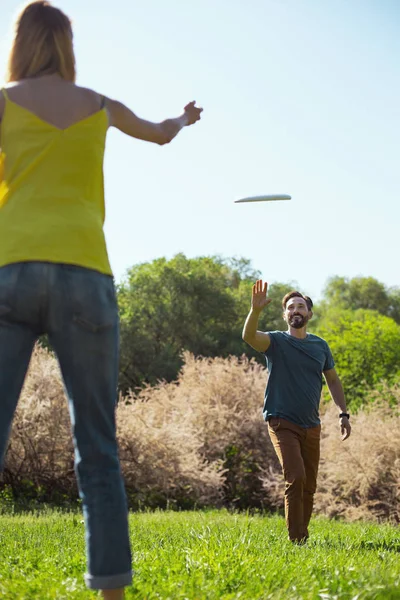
[{"x": 296, "y": 361}]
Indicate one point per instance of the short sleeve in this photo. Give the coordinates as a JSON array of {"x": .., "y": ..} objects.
[
  {"x": 270, "y": 350},
  {"x": 329, "y": 362}
]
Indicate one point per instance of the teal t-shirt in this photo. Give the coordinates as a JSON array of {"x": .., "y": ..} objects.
[{"x": 294, "y": 385}]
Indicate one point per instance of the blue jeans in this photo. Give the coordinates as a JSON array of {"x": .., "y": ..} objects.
[{"x": 77, "y": 309}]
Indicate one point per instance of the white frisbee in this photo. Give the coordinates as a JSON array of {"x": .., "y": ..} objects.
[{"x": 265, "y": 198}]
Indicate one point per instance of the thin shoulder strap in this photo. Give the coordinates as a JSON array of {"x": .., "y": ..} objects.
[
  {"x": 5, "y": 93},
  {"x": 103, "y": 102}
]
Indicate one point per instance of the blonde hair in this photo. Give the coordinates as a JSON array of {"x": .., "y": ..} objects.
[{"x": 42, "y": 44}]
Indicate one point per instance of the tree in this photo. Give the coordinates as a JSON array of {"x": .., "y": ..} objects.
[
  {"x": 198, "y": 305},
  {"x": 394, "y": 304},
  {"x": 167, "y": 306},
  {"x": 362, "y": 292},
  {"x": 366, "y": 349}
]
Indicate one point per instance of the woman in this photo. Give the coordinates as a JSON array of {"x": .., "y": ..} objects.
[{"x": 55, "y": 277}]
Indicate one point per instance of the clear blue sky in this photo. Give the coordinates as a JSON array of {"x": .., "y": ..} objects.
[{"x": 299, "y": 97}]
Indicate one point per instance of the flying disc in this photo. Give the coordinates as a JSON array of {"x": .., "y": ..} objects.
[{"x": 265, "y": 198}]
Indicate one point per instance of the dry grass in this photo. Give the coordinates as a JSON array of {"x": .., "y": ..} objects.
[
  {"x": 360, "y": 478},
  {"x": 40, "y": 449},
  {"x": 201, "y": 441},
  {"x": 201, "y": 436}
]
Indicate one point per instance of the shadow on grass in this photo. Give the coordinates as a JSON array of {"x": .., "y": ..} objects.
[
  {"x": 375, "y": 546},
  {"x": 386, "y": 546}
]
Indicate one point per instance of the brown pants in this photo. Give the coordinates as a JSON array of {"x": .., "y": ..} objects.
[{"x": 298, "y": 451}]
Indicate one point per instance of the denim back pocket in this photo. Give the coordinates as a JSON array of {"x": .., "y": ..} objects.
[
  {"x": 9, "y": 276},
  {"x": 92, "y": 299}
]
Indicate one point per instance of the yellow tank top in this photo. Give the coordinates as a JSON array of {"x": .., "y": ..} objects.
[{"x": 51, "y": 190}]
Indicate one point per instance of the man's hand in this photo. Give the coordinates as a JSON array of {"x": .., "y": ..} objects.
[
  {"x": 192, "y": 112},
  {"x": 259, "y": 340},
  {"x": 259, "y": 295},
  {"x": 345, "y": 428}
]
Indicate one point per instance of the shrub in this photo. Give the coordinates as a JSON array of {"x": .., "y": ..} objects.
[
  {"x": 214, "y": 406},
  {"x": 366, "y": 349},
  {"x": 201, "y": 441},
  {"x": 360, "y": 478},
  {"x": 39, "y": 460}
]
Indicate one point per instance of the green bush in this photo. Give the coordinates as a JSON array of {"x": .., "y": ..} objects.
[
  {"x": 366, "y": 349},
  {"x": 186, "y": 304}
]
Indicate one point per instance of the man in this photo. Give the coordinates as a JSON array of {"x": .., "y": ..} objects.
[{"x": 296, "y": 361}]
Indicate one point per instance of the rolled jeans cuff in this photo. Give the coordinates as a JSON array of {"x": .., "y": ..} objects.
[{"x": 108, "y": 582}]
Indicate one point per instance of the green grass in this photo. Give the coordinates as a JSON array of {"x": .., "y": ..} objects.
[{"x": 205, "y": 556}]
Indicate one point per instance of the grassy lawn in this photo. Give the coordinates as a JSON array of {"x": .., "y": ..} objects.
[{"x": 205, "y": 555}]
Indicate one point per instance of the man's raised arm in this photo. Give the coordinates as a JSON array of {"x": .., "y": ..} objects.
[{"x": 258, "y": 340}]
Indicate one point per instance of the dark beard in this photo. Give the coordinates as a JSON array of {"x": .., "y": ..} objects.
[{"x": 299, "y": 322}]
